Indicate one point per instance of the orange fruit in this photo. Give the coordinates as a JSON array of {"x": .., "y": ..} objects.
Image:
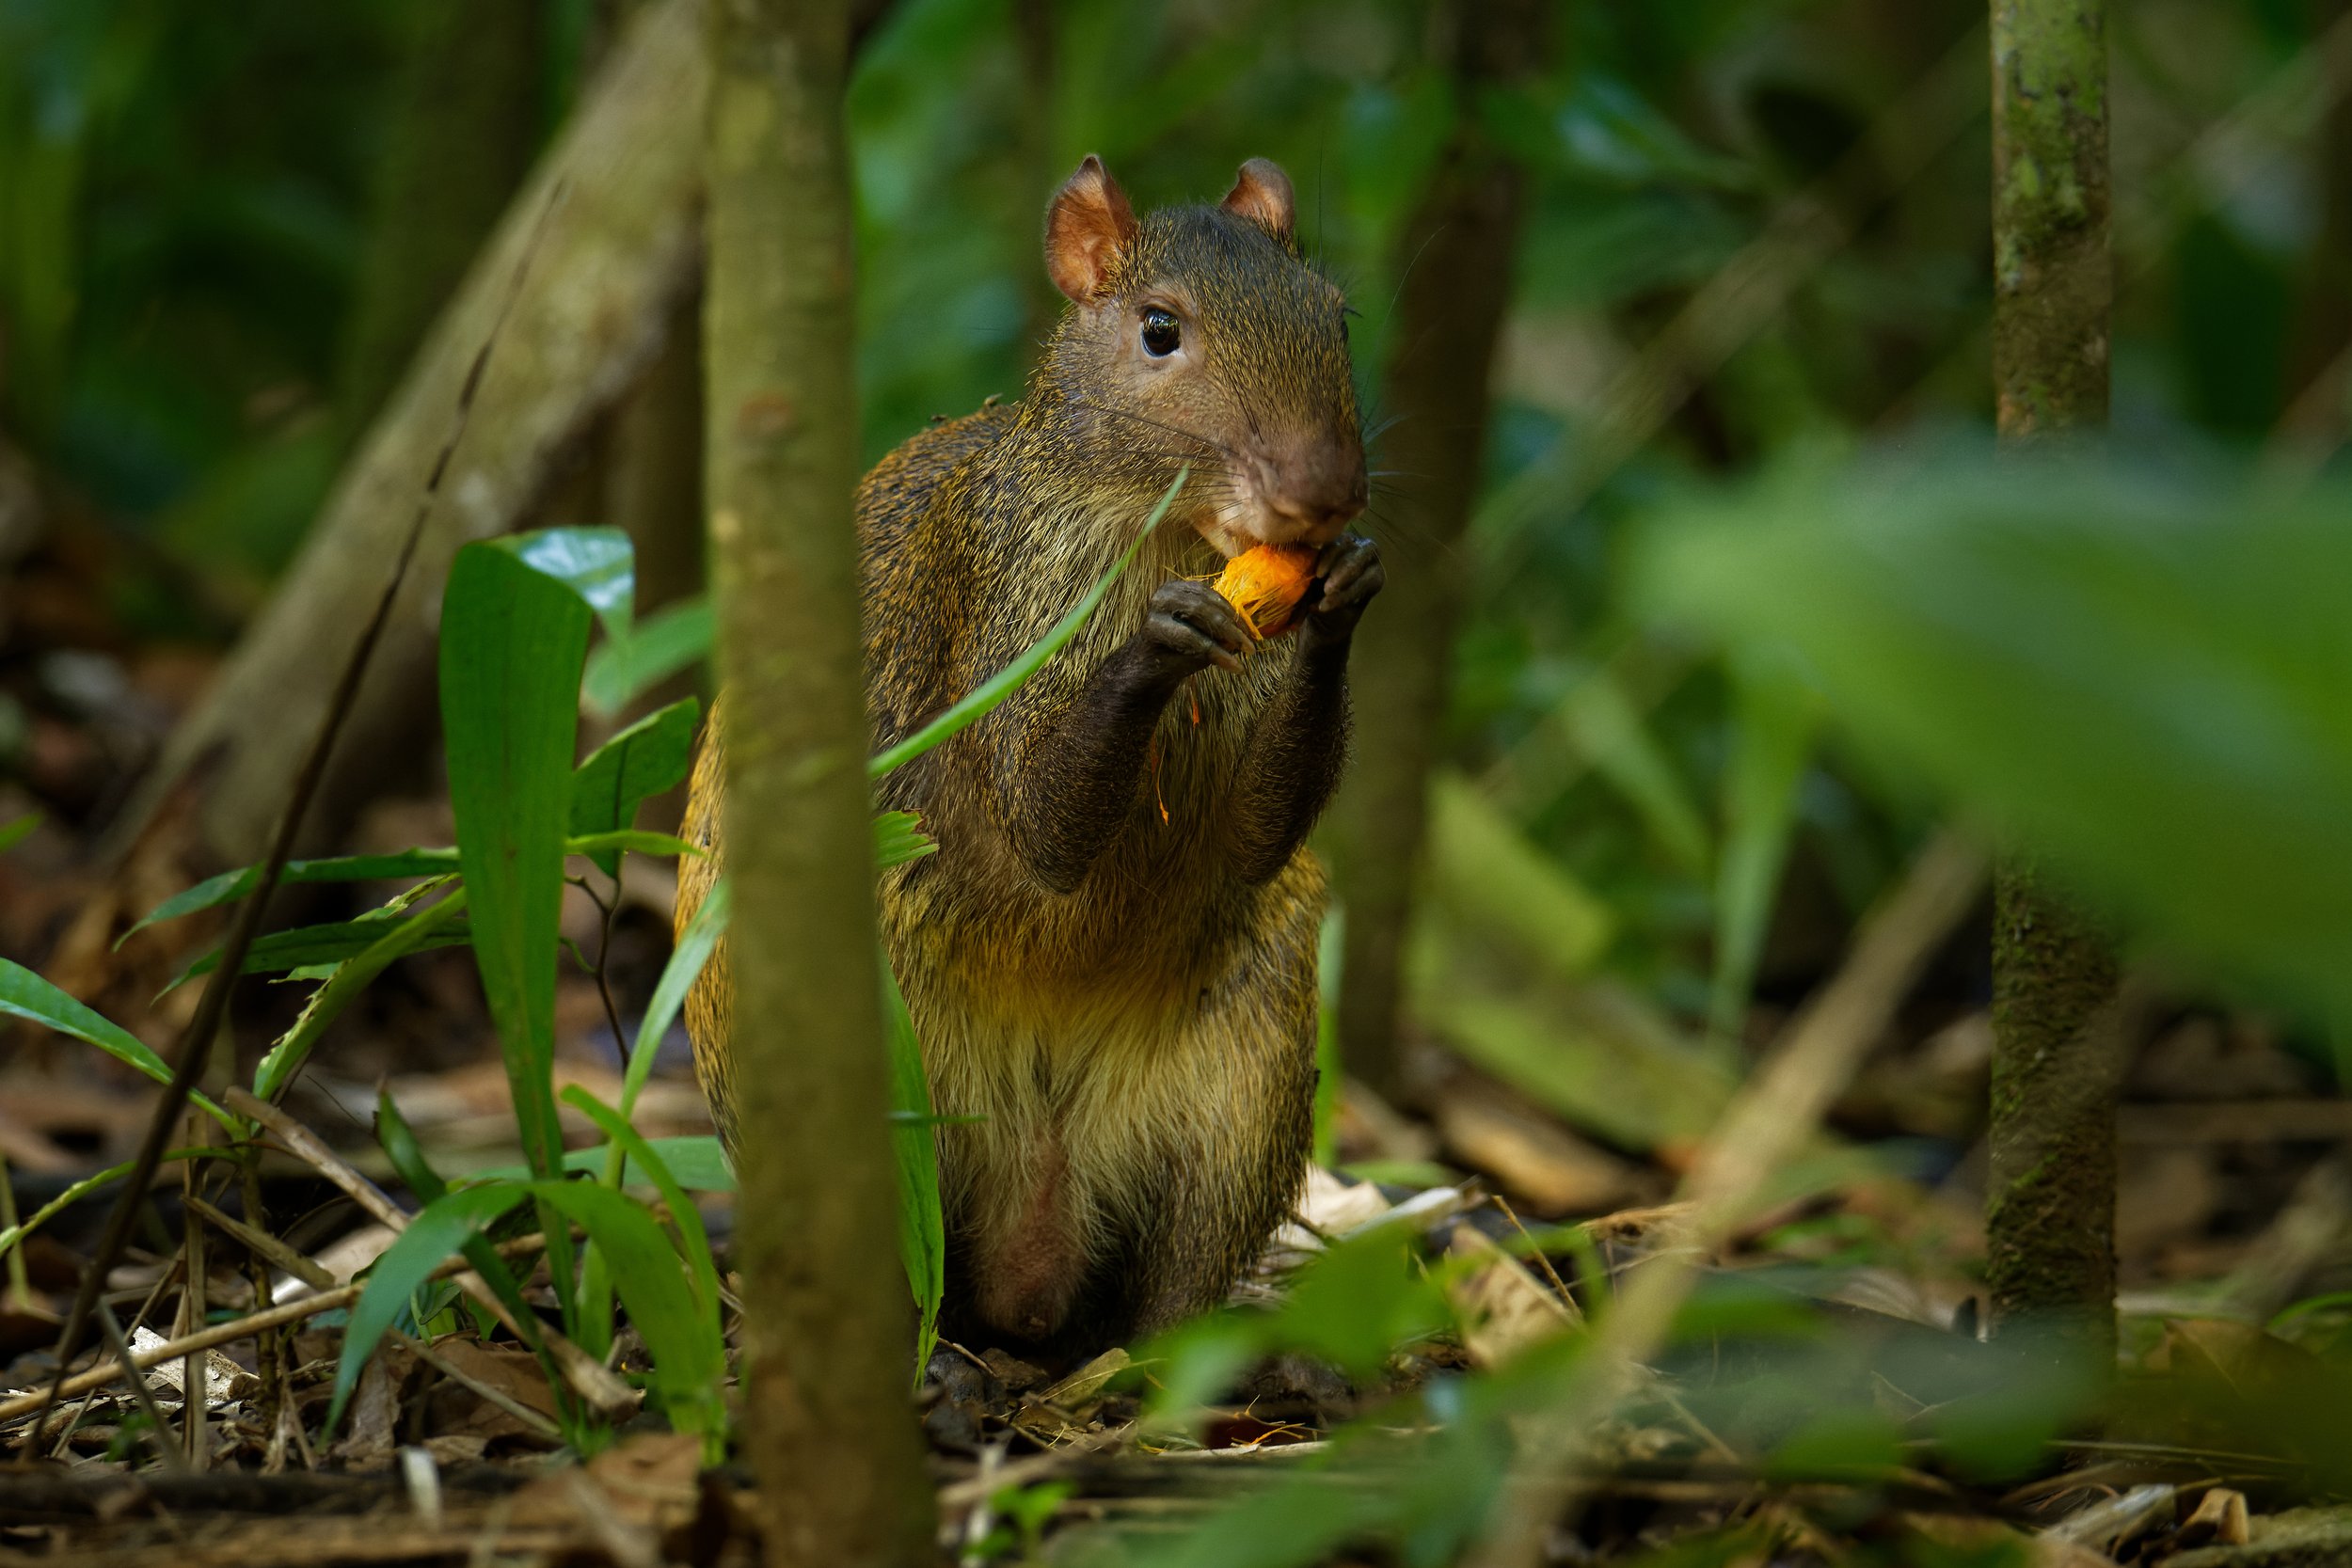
[{"x": 1265, "y": 585}]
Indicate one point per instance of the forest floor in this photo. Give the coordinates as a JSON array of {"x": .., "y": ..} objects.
[{"x": 2234, "y": 1214}]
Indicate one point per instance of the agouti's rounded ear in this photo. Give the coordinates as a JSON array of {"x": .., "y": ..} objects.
[
  {"x": 1262, "y": 194},
  {"x": 1086, "y": 230}
]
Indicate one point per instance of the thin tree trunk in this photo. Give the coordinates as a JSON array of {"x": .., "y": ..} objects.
[
  {"x": 614, "y": 211},
  {"x": 1457, "y": 255},
  {"x": 2050, "y": 1219},
  {"x": 464, "y": 122},
  {"x": 827, "y": 1352}
]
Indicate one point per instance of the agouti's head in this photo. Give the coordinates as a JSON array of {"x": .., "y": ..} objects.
[{"x": 1198, "y": 335}]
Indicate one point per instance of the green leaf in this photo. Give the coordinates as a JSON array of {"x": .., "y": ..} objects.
[
  {"x": 646, "y": 758},
  {"x": 922, "y": 1231},
  {"x": 329, "y": 943},
  {"x": 686, "y": 959},
  {"x": 401, "y": 1147},
  {"x": 1002, "y": 684},
  {"x": 229, "y": 886},
  {"x": 699, "y": 1162},
  {"x": 2137, "y": 672},
  {"x": 1489, "y": 875},
  {"x": 437, "y": 1233},
  {"x": 512, "y": 640},
  {"x": 24, "y": 994},
  {"x": 433, "y": 926},
  {"x": 597, "y": 563},
  {"x": 897, "y": 839},
  {"x": 636, "y": 839},
  {"x": 649, "y": 653},
  {"x": 1773, "y": 720},
  {"x": 694, "y": 1241},
  {"x": 683, "y": 1340},
  {"x": 14, "y": 833}
]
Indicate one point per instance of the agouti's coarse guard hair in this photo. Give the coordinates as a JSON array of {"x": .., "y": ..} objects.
[{"x": 1111, "y": 959}]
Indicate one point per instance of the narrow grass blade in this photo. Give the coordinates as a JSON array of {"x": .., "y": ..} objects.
[
  {"x": 678, "y": 975},
  {"x": 1003, "y": 684},
  {"x": 694, "y": 1241},
  {"x": 24, "y": 994},
  {"x": 440, "y": 1230},
  {"x": 229, "y": 886},
  {"x": 922, "y": 1230},
  {"x": 433, "y": 926}
]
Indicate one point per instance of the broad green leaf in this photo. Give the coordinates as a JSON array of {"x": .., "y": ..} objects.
[
  {"x": 16, "y": 833},
  {"x": 433, "y": 927},
  {"x": 229, "y": 886},
  {"x": 1002, "y": 684},
  {"x": 686, "y": 959},
  {"x": 650, "y": 652},
  {"x": 2138, "y": 674},
  {"x": 512, "y": 640},
  {"x": 922, "y": 1231},
  {"x": 1774, "y": 720},
  {"x": 897, "y": 839},
  {"x": 24, "y": 994},
  {"x": 437, "y": 1233},
  {"x": 646, "y": 758},
  {"x": 682, "y": 1339},
  {"x": 694, "y": 1241}
]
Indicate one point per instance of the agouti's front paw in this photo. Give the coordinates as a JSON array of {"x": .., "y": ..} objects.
[
  {"x": 1190, "y": 627},
  {"x": 1351, "y": 573}
]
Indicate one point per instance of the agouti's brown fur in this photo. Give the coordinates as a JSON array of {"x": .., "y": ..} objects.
[{"x": 1111, "y": 958}]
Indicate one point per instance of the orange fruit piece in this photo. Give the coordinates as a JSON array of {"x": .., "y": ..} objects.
[{"x": 1267, "y": 583}]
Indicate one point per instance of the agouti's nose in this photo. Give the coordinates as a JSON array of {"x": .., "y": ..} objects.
[{"x": 1313, "y": 490}]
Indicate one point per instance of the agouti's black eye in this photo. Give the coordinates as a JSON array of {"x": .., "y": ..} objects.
[{"x": 1160, "y": 336}]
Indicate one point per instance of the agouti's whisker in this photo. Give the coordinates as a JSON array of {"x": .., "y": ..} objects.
[{"x": 1117, "y": 412}]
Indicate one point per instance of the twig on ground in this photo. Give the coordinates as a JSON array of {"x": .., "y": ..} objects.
[
  {"x": 129, "y": 1369},
  {"x": 228, "y": 1334},
  {"x": 589, "y": 1377}
]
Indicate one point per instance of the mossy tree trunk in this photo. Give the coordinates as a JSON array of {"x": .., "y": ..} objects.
[
  {"x": 827, "y": 1344},
  {"x": 1456, "y": 252},
  {"x": 463, "y": 123},
  {"x": 2050, "y": 1220}
]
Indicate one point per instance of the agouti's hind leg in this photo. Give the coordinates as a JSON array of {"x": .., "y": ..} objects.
[{"x": 1220, "y": 1178}]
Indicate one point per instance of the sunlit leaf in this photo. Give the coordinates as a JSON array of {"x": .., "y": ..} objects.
[{"x": 512, "y": 640}]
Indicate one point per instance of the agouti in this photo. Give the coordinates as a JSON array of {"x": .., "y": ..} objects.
[{"x": 1111, "y": 959}]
